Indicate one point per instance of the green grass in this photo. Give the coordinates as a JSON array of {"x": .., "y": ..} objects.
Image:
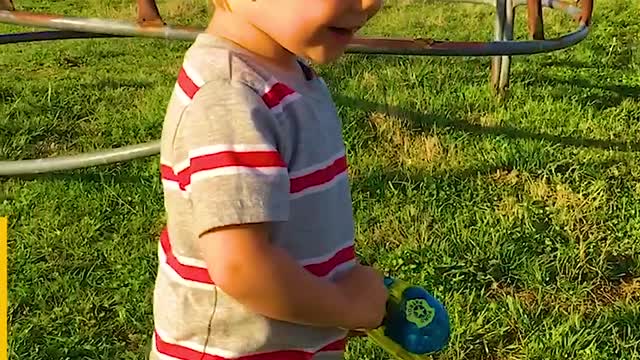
[{"x": 523, "y": 217}]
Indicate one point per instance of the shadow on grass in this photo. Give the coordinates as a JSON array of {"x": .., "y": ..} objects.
[
  {"x": 569, "y": 64},
  {"x": 418, "y": 119},
  {"x": 404, "y": 182},
  {"x": 424, "y": 120},
  {"x": 598, "y": 95}
]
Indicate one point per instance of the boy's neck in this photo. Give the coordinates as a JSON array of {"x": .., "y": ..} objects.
[{"x": 248, "y": 37}]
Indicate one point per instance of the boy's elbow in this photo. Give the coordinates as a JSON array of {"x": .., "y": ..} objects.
[
  {"x": 221, "y": 273},
  {"x": 230, "y": 276},
  {"x": 234, "y": 256}
]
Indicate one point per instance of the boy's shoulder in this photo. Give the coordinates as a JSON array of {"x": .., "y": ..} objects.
[{"x": 212, "y": 60}]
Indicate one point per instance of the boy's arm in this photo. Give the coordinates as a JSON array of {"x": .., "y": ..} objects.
[{"x": 246, "y": 266}]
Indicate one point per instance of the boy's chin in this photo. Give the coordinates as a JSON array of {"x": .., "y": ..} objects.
[{"x": 325, "y": 56}]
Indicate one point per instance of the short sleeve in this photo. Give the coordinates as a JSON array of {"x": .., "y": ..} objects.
[{"x": 226, "y": 149}]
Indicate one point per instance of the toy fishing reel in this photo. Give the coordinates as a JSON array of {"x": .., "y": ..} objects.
[{"x": 416, "y": 324}]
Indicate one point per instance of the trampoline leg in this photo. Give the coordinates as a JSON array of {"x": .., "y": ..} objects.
[
  {"x": 534, "y": 17},
  {"x": 496, "y": 61},
  {"x": 505, "y": 66},
  {"x": 587, "y": 11},
  {"x": 148, "y": 14},
  {"x": 7, "y": 5}
]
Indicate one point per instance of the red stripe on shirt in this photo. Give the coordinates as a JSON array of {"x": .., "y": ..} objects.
[
  {"x": 322, "y": 269},
  {"x": 185, "y": 353},
  {"x": 271, "y": 98},
  {"x": 166, "y": 173},
  {"x": 199, "y": 274},
  {"x": 338, "y": 345},
  {"x": 319, "y": 177},
  {"x": 249, "y": 159},
  {"x": 276, "y": 94},
  {"x": 187, "y": 272},
  {"x": 186, "y": 84}
]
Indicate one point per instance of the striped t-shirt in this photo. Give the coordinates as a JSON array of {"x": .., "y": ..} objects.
[{"x": 242, "y": 144}]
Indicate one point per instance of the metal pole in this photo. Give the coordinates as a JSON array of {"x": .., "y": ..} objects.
[
  {"x": 39, "y": 166},
  {"x": 507, "y": 35},
  {"x": 148, "y": 14},
  {"x": 587, "y": 11},
  {"x": 15, "y": 38},
  {"x": 7, "y": 5},
  {"x": 535, "y": 22},
  {"x": 498, "y": 35}
]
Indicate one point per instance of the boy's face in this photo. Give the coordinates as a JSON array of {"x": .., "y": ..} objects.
[{"x": 319, "y": 30}]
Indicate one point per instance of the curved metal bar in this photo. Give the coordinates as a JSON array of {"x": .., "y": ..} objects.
[
  {"x": 15, "y": 38},
  {"x": 371, "y": 45},
  {"x": 493, "y": 48},
  {"x": 39, "y": 166},
  {"x": 368, "y": 45},
  {"x": 96, "y": 25}
]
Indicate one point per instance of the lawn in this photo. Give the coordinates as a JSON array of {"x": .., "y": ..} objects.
[{"x": 522, "y": 216}]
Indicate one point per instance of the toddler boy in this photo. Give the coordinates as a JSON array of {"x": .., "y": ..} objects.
[{"x": 257, "y": 259}]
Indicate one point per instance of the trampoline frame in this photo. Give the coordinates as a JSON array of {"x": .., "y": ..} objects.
[{"x": 151, "y": 25}]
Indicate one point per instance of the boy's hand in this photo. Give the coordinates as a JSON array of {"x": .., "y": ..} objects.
[
  {"x": 244, "y": 264},
  {"x": 364, "y": 287}
]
